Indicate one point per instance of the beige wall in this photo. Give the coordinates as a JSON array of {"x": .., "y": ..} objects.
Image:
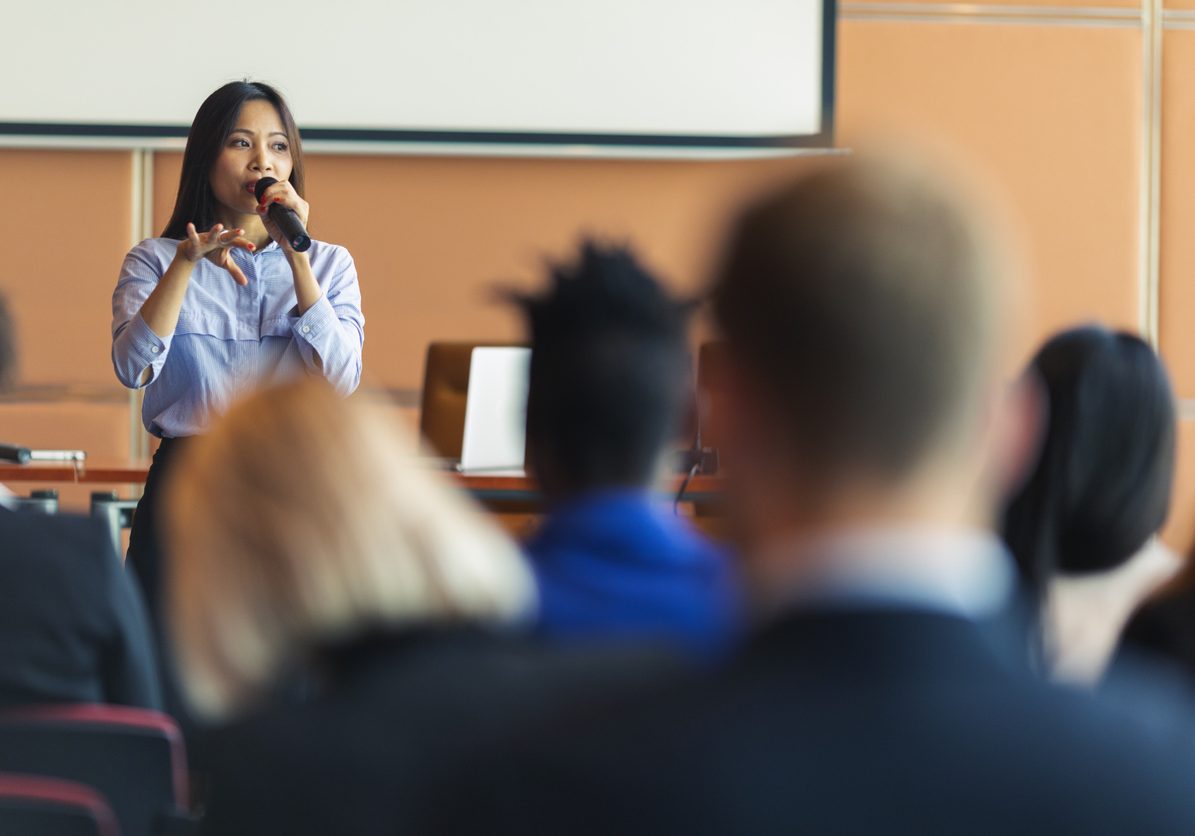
[{"x": 1053, "y": 102}]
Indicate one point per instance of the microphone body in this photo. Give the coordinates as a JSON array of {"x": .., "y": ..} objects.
[
  {"x": 286, "y": 218},
  {"x": 15, "y": 453}
]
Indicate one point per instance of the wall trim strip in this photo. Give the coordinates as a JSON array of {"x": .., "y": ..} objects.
[
  {"x": 991, "y": 13},
  {"x": 1178, "y": 19},
  {"x": 143, "y": 213},
  {"x": 1152, "y": 169}
]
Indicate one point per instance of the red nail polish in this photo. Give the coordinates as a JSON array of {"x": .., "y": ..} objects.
[{"x": 277, "y": 200}]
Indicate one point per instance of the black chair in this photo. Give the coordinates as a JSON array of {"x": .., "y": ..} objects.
[
  {"x": 33, "y": 805},
  {"x": 134, "y": 757},
  {"x": 40, "y": 502},
  {"x": 115, "y": 513}
]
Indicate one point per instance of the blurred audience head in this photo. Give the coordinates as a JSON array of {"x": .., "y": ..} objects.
[
  {"x": 8, "y": 346},
  {"x": 610, "y": 372},
  {"x": 1101, "y": 487},
  {"x": 302, "y": 520},
  {"x": 863, "y": 312}
]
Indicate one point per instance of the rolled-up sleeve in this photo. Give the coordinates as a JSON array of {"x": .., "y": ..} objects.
[
  {"x": 330, "y": 334},
  {"x": 135, "y": 347}
]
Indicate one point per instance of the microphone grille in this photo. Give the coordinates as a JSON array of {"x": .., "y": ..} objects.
[{"x": 263, "y": 184}]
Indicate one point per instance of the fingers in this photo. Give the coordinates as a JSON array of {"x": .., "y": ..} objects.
[
  {"x": 291, "y": 202},
  {"x": 216, "y": 245},
  {"x": 194, "y": 247},
  {"x": 228, "y": 236},
  {"x": 284, "y": 193},
  {"x": 238, "y": 275},
  {"x": 224, "y": 258},
  {"x": 282, "y": 189},
  {"x": 218, "y": 236},
  {"x": 200, "y": 245}
]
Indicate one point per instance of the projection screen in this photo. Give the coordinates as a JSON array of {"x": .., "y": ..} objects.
[{"x": 662, "y": 74}]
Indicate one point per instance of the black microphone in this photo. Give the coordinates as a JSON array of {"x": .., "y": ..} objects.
[
  {"x": 15, "y": 453},
  {"x": 286, "y": 218}
]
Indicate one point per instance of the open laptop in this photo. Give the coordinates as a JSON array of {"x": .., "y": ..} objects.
[{"x": 496, "y": 411}]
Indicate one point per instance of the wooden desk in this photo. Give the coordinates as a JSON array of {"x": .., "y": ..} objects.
[
  {"x": 100, "y": 472},
  {"x": 488, "y": 490}
]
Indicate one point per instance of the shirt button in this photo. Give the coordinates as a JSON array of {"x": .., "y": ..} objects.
[
  {"x": 155, "y": 349},
  {"x": 306, "y": 329}
]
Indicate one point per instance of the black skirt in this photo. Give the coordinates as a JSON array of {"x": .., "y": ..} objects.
[{"x": 147, "y": 554}]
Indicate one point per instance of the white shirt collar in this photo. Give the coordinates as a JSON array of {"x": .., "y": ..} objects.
[
  {"x": 959, "y": 571},
  {"x": 6, "y": 497}
]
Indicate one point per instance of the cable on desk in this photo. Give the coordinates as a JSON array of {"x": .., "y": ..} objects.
[{"x": 684, "y": 486}]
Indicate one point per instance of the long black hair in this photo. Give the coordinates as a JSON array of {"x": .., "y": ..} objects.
[
  {"x": 1102, "y": 486},
  {"x": 216, "y": 118}
]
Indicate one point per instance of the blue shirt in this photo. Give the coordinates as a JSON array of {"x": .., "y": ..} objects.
[
  {"x": 620, "y": 565},
  {"x": 231, "y": 339}
]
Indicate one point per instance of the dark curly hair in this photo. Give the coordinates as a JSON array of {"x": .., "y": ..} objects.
[{"x": 610, "y": 371}]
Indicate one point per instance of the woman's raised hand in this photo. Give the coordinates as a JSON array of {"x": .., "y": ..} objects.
[
  {"x": 284, "y": 193},
  {"x": 216, "y": 246}
]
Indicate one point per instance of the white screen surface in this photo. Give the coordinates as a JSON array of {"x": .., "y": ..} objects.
[{"x": 691, "y": 68}]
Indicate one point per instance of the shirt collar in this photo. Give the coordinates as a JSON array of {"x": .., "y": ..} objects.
[
  {"x": 6, "y": 497},
  {"x": 270, "y": 247},
  {"x": 958, "y": 571}
]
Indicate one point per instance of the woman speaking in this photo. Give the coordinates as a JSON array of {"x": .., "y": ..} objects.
[{"x": 222, "y": 303}]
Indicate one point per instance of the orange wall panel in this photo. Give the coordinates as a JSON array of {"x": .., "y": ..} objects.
[
  {"x": 69, "y": 218},
  {"x": 1067, "y": 6},
  {"x": 1050, "y": 114},
  {"x": 1177, "y": 268},
  {"x": 101, "y": 429}
]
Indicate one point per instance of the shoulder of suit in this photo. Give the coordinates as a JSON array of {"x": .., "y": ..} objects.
[{"x": 45, "y": 534}]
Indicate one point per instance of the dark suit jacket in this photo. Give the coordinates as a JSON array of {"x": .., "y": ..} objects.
[
  {"x": 845, "y": 722},
  {"x": 72, "y": 625},
  {"x": 397, "y": 712}
]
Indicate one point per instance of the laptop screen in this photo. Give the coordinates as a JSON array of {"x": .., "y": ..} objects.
[{"x": 496, "y": 410}]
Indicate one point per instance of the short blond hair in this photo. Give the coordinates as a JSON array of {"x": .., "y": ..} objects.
[{"x": 303, "y": 519}]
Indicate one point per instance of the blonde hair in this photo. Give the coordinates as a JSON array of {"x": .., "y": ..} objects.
[{"x": 301, "y": 519}]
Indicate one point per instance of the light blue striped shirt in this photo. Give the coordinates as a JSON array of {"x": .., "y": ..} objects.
[{"x": 231, "y": 339}]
